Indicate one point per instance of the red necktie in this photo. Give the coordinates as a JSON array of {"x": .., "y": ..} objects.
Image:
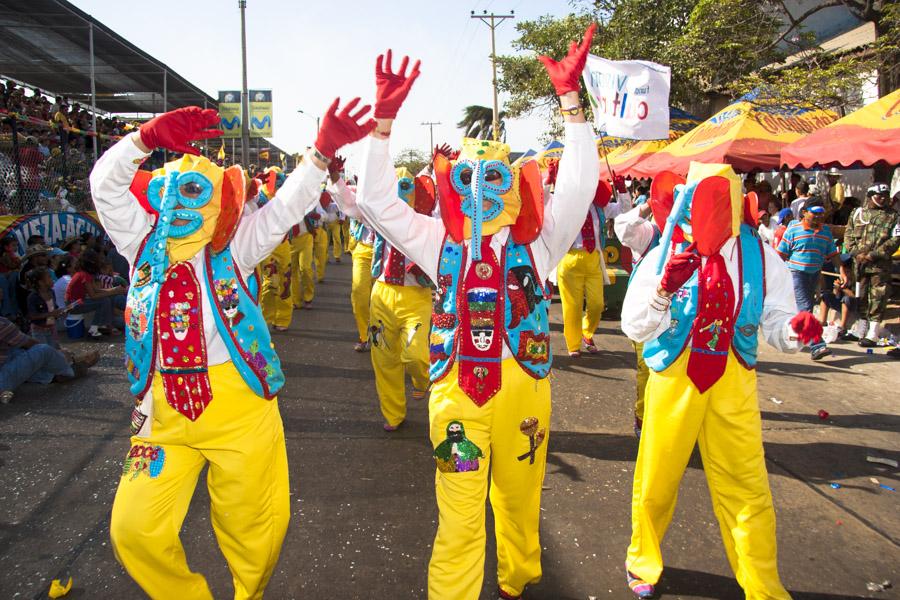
[
  {"x": 480, "y": 331},
  {"x": 588, "y": 241},
  {"x": 714, "y": 325},
  {"x": 395, "y": 267},
  {"x": 182, "y": 346}
]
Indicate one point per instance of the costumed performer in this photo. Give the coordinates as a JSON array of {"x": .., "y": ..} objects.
[
  {"x": 581, "y": 274},
  {"x": 699, "y": 319},
  {"x": 490, "y": 340},
  {"x": 198, "y": 353},
  {"x": 303, "y": 276},
  {"x": 639, "y": 229},
  {"x": 275, "y": 291}
]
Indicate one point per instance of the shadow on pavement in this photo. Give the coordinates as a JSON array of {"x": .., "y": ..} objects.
[
  {"x": 684, "y": 582},
  {"x": 880, "y": 421}
]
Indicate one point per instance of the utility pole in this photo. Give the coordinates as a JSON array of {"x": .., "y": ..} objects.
[
  {"x": 245, "y": 103},
  {"x": 492, "y": 21},
  {"x": 431, "y": 125}
]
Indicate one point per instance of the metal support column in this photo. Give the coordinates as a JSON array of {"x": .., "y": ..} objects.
[{"x": 93, "y": 90}]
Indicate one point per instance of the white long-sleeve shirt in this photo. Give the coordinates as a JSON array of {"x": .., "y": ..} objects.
[
  {"x": 641, "y": 322},
  {"x": 421, "y": 237},
  {"x": 634, "y": 231},
  {"x": 345, "y": 198},
  {"x": 257, "y": 235}
]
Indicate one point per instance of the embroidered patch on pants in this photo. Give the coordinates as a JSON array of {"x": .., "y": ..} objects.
[
  {"x": 529, "y": 427},
  {"x": 144, "y": 458},
  {"x": 457, "y": 454}
]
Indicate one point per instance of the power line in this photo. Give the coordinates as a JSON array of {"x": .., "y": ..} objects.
[
  {"x": 430, "y": 125},
  {"x": 493, "y": 21}
]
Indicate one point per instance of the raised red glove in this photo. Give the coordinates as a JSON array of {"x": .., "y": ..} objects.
[
  {"x": 391, "y": 88},
  {"x": 566, "y": 74},
  {"x": 175, "y": 129},
  {"x": 619, "y": 184},
  {"x": 335, "y": 167},
  {"x": 807, "y": 327},
  {"x": 552, "y": 172},
  {"x": 341, "y": 128},
  {"x": 444, "y": 150},
  {"x": 679, "y": 269}
]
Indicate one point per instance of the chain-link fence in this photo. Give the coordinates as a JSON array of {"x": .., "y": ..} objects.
[{"x": 42, "y": 167}]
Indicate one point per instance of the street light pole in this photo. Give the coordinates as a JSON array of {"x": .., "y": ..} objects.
[
  {"x": 306, "y": 114},
  {"x": 245, "y": 104},
  {"x": 431, "y": 125},
  {"x": 493, "y": 21}
]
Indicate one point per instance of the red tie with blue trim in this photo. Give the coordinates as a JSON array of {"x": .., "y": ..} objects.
[
  {"x": 480, "y": 346},
  {"x": 588, "y": 240},
  {"x": 714, "y": 325}
]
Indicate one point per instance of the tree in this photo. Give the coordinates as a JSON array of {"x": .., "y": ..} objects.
[
  {"x": 478, "y": 123},
  {"x": 412, "y": 159},
  {"x": 714, "y": 47}
]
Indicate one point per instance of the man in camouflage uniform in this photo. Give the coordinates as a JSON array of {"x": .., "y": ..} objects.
[{"x": 872, "y": 237}]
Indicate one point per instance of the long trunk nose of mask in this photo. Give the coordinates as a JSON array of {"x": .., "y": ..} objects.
[
  {"x": 166, "y": 210},
  {"x": 477, "y": 209}
]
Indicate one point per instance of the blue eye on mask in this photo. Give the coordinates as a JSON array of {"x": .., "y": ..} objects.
[
  {"x": 164, "y": 195},
  {"x": 478, "y": 190}
]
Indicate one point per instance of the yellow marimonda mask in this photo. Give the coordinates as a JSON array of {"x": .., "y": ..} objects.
[
  {"x": 198, "y": 203},
  {"x": 481, "y": 193}
]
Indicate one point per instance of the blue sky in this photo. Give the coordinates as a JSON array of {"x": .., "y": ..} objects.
[{"x": 310, "y": 52}]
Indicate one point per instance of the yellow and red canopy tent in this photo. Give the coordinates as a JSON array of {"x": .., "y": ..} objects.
[
  {"x": 748, "y": 134},
  {"x": 621, "y": 160},
  {"x": 861, "y": 139}
]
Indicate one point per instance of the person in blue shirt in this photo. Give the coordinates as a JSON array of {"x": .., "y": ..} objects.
[{"x": 806, "y": 245}]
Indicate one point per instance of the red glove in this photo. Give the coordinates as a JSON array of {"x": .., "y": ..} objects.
[
  {"x": 391, "y": 88},
  {"x": 175, "y": 129},
  {"x": 679, "y": 269},
  {"x": 342, "y": 128},
  {"x": 619, "y": 184},
  {"x": 335, "y": 167},
  {"x": 807, "y": 327},
  {"x": 444, "y": 150},
  {"x": 552, "y": 172},
  {"x": 566, "y": 74}
]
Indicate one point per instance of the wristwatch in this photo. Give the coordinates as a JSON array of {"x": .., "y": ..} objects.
[{"x": 571, "y": 111}]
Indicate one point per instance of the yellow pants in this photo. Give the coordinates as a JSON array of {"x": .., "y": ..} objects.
[
  {"x": 643, "y": 373},
  {"x": 402, "y": 318},
  {"x": 580, "y": 284},
  {"x": 334, "y": 235},
  {"x": 303, "y": 283},
  {"x": 456, "y": 569},
  {"x": 725, "y": 421},
  {"x": 241, "y": 437},
  {"x": 345, "y": 235},
  {"x": 320, "y": 252},
  {"x": 361, "y": 288},
  {"x": 275, "y": 289}
]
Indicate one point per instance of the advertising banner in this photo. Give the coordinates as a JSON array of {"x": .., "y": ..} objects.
[
  {"x": 260, "y": 113},
  {"x": 230, "y": 113},
  {"x": 56, "y": 227}
]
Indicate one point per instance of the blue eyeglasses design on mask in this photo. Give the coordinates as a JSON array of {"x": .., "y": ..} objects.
[
  {"x": 177, "y": 197},
  {"x": 479, "y": 182}
]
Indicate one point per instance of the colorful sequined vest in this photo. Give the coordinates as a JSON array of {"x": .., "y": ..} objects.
[
  {"x": 238, "y": 319},
  {"x": 661, "y": 352},
  {"x": 526, "y": 325}
]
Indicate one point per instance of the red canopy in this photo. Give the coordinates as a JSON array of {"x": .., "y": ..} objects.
[{"x": 861, "y": 139}]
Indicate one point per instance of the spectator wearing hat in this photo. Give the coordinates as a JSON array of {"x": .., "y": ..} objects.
[
  {"x": 806, "y": 245},
  {"x": 835, "y": 196},
  {"x": 871, "y": 238}
]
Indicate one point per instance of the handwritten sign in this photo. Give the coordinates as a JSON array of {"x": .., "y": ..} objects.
[{"x": 629, "y": 98}]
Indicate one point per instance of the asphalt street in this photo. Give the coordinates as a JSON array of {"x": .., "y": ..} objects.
[{"x": 363, "y": 507}]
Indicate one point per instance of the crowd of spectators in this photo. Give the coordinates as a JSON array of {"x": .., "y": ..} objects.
[{"x": 54, "y": 150}]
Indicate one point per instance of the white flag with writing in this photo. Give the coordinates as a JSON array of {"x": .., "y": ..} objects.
[{"x": 630, "y": 98}]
